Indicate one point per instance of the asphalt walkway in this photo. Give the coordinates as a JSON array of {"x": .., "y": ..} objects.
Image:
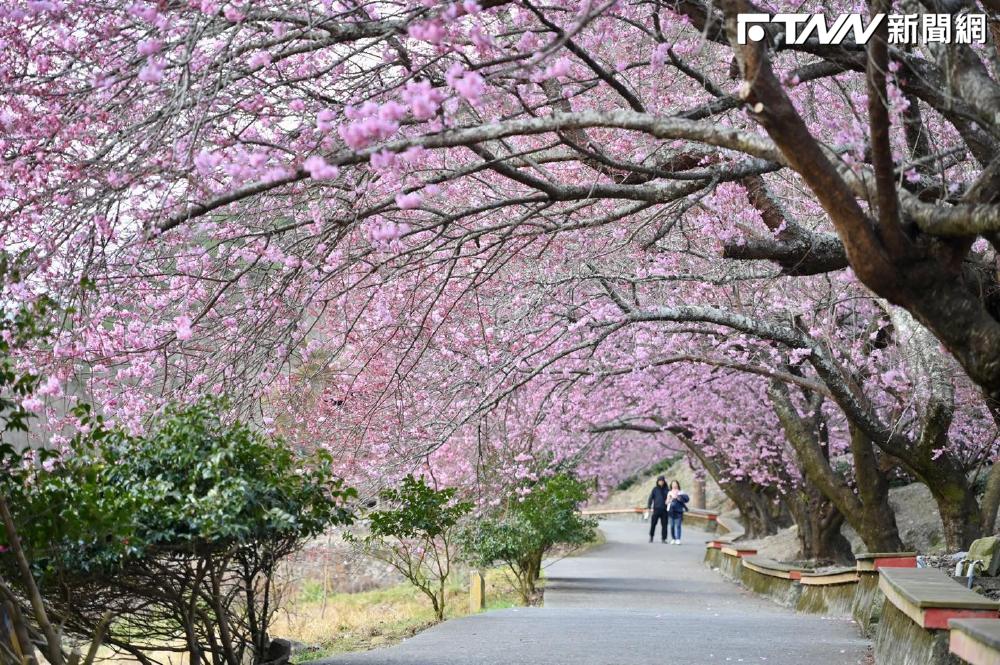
[{"x": 630, "y": 602}]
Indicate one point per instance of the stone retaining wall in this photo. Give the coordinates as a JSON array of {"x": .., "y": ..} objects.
[
  {"x": 900, "y": 641},
  {"x": 975, "y": 641},
  {"x": 771, "y": 579},
  {"x": 820, "y": 593},
  {"x": 915, "y": 617},
  {"x": 866, "y": 608},
  {"x": 831, "y": 593}
]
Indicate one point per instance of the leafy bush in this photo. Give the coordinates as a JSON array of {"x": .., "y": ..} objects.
[
  {"x": 24, "y": 618},
  {"x": 415, "y": 535},
  {"x": 525, "y": 529},
  {"x": 179, "y": 531}
]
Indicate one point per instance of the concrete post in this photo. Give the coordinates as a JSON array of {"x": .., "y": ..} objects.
[
  {"x": 477, "y": 592},
  {"x": 698, "y": 493}
]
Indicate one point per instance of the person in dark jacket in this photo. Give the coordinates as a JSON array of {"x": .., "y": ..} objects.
[
  {"x": 658, "y": 502},
  {"x": 676, "y": 506}
]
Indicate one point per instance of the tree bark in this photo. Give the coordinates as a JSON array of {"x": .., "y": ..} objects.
[
  {"x": 698, "y": 493},
  {"x": 818, "y": 522},
  {"x": 921, "y": 268},
  {"x": 868, "y": 511},
  {"x": 759, "y": 506},
  {"x": 956, "y": 501},
  {"x": 990, "y": 502},
  {"x": 698, "y": 486},
  {"x": 877, "y": 523}
]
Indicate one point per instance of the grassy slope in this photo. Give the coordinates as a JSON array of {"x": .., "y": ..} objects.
[{"x": 345, "y": 622}]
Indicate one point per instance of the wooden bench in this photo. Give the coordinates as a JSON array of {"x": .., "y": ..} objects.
[
  {"x": 773, "y": 568},
  {"x": 874, "y": 560},
  {"x": 930, "y": 598},
  {"x": 737, "y": 551},
  {"x": 841, "y": 575},
  {"x": 919, "y": 603},
  {"x": 976, "y": 641},
  {"x": 701, "y": 514},
  {"x": 776, "y": 580}
]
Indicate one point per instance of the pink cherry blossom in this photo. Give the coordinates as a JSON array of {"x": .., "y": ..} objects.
[
  {"x": 319, "y": 169},
  {"x": 324, "y": 120},
  {"x": 148, "y": 47},
  {"x": 32, "y": 404},
  {"x": 51, "y": 387},
  {"x": 182, "y": 327},
  {"x": 152, "y": 72},
  {"x": 233, "y": 14},
  {"x": 408, "y": 201}
]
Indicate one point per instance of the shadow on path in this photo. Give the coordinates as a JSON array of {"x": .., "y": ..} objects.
[{"x": 630, "y": 602}]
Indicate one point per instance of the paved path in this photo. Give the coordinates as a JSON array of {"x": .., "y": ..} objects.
[{"x": 630, "y": 602}]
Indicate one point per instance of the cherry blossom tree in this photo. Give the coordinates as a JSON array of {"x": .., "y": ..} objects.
[
  {"x": 227, "y": 155},
  {"x": 385, "y": 227}
]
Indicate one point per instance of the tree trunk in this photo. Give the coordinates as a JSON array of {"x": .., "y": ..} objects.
[
  {"x": 53, "y": 643},
  {"x": 698, "y": 493},
  {"x": 698, "y": 487},
  {"x": 532, "y": 571},
  {"x": 990, "y": 503},
  {"x": 868, "y": 511},
  {"x": 760, "y": 510},
  {"x": 919, "y": 272},
  {"x": 876, "y": 525},
  {"x": 959, "y": 511},
  {"x": 435, "y": 603},
  {"x": 536, "y": 566},
  {"x": 818, "y": 522}
]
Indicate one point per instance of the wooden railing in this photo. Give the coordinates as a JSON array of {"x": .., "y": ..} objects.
[{"x": 697, "y": 513}]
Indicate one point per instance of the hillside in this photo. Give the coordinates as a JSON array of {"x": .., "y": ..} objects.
[{"x": 638, "y": 493}]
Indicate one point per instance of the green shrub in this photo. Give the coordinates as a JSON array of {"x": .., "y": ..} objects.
[
  {"x": 526, "y": 528},
  {"x": 414, "y": 534},
  {"x": 178, "y": 531}
]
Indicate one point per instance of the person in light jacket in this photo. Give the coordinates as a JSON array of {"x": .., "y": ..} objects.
[
  {"x": 676, "y": 507},
  {"x": 658, "y": 502}
]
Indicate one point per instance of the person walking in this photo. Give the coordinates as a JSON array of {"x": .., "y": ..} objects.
[
  {"x": 676, "y": 507},
  {"x": 658, "y": 502}
]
